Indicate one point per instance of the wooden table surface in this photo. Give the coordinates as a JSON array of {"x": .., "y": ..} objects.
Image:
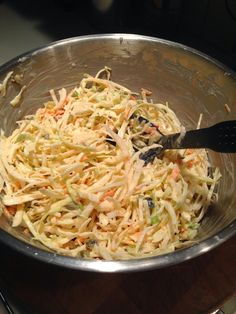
[{"x": 196, "y": 286}]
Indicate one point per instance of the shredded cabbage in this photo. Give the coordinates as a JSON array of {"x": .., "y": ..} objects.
[
  {"x": 3, "y": 85},
  {"x": 72, "y": 177}
]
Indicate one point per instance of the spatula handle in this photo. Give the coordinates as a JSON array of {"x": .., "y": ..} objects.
[{"x": 220, "y": 137}]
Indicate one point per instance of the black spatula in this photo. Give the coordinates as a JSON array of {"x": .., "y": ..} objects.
[{"x": 220, "y": 137}]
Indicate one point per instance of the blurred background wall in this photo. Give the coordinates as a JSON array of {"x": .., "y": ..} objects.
[{"x": 208, "y": 25}]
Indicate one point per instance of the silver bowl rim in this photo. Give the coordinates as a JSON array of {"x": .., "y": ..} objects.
[{"x": 132, "y": 265}]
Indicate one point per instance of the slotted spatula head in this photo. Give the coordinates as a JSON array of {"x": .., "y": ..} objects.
[{"x": 220, "y": 137}]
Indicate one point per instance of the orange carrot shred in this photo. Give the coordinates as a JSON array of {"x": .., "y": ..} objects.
[
  {"x": 108, "y": 193},
  {"x": 190, "y": 164},
  {"x": 11, "y": 210}
]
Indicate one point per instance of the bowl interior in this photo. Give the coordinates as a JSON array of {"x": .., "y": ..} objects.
[{"x": 190, "y": 82}]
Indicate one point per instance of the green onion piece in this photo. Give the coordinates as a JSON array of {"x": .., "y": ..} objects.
[
  {"x": 22, "y": 137},
  {"x": 193, "y": 225},
  {"x": 75, "y": 94},
  {"x": 80, "y": 206},
  {"x": 155, "y": 220}
]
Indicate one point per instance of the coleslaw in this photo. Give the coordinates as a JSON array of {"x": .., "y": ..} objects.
[{"x": 71, "y": 175}]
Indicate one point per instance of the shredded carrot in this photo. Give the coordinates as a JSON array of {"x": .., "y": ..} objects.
[
  {"x": 59, "y": 112},
  {"x": 11, "y": 210},
  {"x": 175, "y": 173},
  {"x": 190, "y": 164},
  {"x": 108, "y": 193},
  {"x": 80, "y": 239},
  {"x": 127, "y": 112},
  {"x": 179, "y": 160},
  {"x": 84, "y": 158},
  {"x": 135, "y": 236},
  {"x": 189, "y": 151}
]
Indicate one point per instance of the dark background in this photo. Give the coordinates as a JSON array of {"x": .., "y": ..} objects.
[{"x": 207, "y": 25}]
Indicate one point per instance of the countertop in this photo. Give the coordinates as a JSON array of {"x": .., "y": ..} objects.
[{"x": 199, "y": 286}]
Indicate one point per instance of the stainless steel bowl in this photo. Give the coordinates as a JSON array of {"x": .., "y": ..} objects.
[{"x": 190, "y": 81}]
